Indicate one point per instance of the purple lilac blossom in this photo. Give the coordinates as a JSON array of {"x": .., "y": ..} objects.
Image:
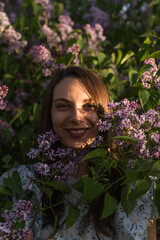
[
  {"x": 42, "y": 55},
  {"x": 150, "y": 77},
  {"x": 65, "y": 27},
  {"x": 125, "y": 120},
  {"x": 57, "y": 161},
  {"x": 96, "y": 36},
  {"x": 3, "y": 93},
  {"x": 11, "y": 37},
  {"x": 96, "y": 15},
  {"x": 48, "y": 9},
  {"x": 18, "y": 213},
  {"x": 74, "y": 49},
  {"x": 52, "y": 37}
]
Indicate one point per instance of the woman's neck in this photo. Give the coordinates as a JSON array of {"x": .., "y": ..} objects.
[{"x": 82, "y": 169}]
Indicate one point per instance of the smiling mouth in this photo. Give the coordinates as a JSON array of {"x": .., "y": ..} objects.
[{"x": 77, "y": 133}]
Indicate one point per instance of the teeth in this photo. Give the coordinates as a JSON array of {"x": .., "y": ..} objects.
[{"x": 77, "y": 131}]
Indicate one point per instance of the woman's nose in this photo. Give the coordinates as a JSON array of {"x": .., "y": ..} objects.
[{"x": 77, "y": 114}]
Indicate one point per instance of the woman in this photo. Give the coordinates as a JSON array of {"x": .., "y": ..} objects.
[
  {"x": 73, "y": 100},
  {"x": 71, "y": 105}
]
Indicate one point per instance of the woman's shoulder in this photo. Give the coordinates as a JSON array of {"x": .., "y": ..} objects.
[{"x": 26, "y": 174}]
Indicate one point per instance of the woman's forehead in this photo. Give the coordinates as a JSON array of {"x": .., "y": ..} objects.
[{"x": 71, "y": 87}]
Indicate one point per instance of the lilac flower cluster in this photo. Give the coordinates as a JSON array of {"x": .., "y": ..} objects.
[
  {"x": 10, "y": 37},
  {"x": 96, "y": 15},
  {"x": 127, "y": 119},
  {"x": 52, "y": 37},
  {"x": 41, "y": 55},
  {"x": 18, "y": 213},
  {"x": 96, "y": 36},
  {"x": 48, "y": 8},
  {"x": 74, "y": 49},
  {"x": 65, "y": 27},
  {"x": 3, "y": 93},
  {"x": 56, "y": 162},
  {"x": 150, "y": 78}
]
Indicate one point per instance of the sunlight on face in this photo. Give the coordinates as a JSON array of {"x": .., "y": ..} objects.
[{"x": 73, "y": 114}]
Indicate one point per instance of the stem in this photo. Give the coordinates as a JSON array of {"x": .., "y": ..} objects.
[{"x": 119, "y": 179}]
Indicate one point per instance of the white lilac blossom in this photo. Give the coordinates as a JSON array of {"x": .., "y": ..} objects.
[
  {"x": 150, "y": 78},
  {"x": 56, "y": 161},
  {"x": 127, "y": 119},
  {"x": 18, "y": 213}
]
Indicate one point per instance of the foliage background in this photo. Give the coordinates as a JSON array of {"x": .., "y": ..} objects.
[{"x": 127, "y": 35}]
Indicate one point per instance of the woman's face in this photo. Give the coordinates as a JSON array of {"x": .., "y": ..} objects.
[{"x": 73, "y": 115}]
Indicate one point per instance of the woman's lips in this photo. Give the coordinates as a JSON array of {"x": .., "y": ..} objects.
[{"x": 77, "y": 133}]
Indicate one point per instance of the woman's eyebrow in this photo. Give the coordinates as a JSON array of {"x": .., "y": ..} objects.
[
  {"x": 68, "y": 101},
  {"x": 61, "y": 99}
]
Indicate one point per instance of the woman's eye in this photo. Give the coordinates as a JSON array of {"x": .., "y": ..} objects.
[
  {"x": 62, "y": 106},
  {"x": 89, "y": 106}
]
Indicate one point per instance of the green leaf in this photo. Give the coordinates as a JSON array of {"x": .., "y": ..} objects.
[
  {"x": 5, "y": 132},
  {"x": 101, "y": 58},
  {"x": 6, "y": 159},
  {"x": 69, "y": 57},
  {"x": 13, "y": 68},
  {"x": 154, "y": 98},
  {"x": 145, "y": 168},
  {"x": 58, "y": 186},
  {"x": 143, "y": 54},
  {"x": 14, "y": 183},
  {"x": 149, "y": 98},
  {"x": 155, "y": 170},
  {"x": 110, "y": 204},
  {"x": 157, "y": 197},
  {"x": 73, "y": 214},
  {"x": 132, "y": 76},
  {"x": 128, "y": 202},
  {"x": 143, "y": 69},
  {"x": 131, "y": 140},
  {"x": 48, "y": 191},
  {"x": 92, "y": 189},
  {"x": 155, "y": 55},
  {"x": 143, "y": 95},
  {"x": 37, "y": 9},
  {"x": 79, "y": 185},
  {"x": 25, "y": 132},
  {"x": 35, "y": 107},
  {"x": 71, "y": 42},
  {"x": 58, "y": 8},
  {"x": 99, "y": 152},
  {"x": 4, "y": 191},
  {"x": 19, "y": 224},
  {"x": 127, "y": 56},
  {"x": 141, "y": 187},
  {"x": 147, "y": 41},
  {"x": 119, "y": 57}
]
